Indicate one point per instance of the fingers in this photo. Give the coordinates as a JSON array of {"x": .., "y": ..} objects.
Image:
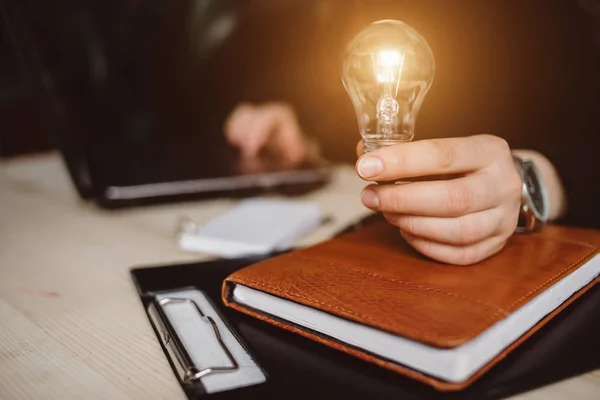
[
  {"x": 457, "y": 255},
  {"x": 237, "y": 123},
  {"x": 271, "y": 127},
  {"x": 461, "y": 231},
  {"x": 290, "y": 139},
  {"x": 460, "y": 220},
  {"x": 431, "y": 157},
  {"x": 450, "y": 198},
  {"x": 257, "y": 131}
]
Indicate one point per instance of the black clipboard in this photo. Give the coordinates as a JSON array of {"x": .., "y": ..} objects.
[{"x": 298, "y": 368}]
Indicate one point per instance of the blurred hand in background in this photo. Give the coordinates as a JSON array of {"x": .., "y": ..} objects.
[{"x": 268, "y": 132}]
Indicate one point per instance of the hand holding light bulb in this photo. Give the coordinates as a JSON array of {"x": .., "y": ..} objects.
[
  {"x": 387, "y": 72},
  {"x": 458, "y": 221}
]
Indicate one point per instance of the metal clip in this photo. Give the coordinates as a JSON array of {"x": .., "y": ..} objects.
[{"x": 184, "y": 364}]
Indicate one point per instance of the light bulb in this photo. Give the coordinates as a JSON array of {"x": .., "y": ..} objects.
[{"x": 387, "y": 71}]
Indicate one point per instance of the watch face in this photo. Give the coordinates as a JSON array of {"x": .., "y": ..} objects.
[{"x": 534, "y": 189}]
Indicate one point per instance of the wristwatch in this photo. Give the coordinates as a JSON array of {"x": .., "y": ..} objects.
[{"x": 534, "y": 197}]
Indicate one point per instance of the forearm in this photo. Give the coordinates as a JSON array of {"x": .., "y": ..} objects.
[{"x": 552, "y": 181}]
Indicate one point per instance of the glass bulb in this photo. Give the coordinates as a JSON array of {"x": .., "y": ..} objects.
[{"x": 387, "y": 71}]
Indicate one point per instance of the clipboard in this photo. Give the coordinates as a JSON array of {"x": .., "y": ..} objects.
[{"x": 297, "y": 368}]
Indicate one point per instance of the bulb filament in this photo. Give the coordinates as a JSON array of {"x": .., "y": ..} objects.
[{"x": 388, "y": 71}]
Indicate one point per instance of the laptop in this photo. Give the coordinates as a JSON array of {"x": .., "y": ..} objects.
[{"x": 136, "y": 101}]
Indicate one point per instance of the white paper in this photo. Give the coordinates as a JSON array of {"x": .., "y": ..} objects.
[{"x": 254, "y": 227}]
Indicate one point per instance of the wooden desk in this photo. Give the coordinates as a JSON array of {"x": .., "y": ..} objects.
[{"x": 71, "y": 324}]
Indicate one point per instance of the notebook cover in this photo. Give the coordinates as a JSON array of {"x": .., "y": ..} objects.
[{"x": 373, "y": 277}]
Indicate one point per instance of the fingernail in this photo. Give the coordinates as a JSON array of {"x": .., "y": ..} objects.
[
  {"x": 369, "y": 167},
  {"x": 370, "y": 198}
]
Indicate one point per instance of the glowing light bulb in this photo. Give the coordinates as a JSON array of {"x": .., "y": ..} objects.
[{"x": 387, "y": 71}]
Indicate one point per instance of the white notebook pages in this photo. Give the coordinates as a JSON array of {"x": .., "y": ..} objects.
[{"x": 452, "y": 365}]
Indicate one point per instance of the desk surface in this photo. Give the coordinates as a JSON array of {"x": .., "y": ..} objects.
[{"x": 71, "y": 325}]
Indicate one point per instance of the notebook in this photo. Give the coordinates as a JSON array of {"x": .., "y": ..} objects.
[{"x": 370, "y": 295}]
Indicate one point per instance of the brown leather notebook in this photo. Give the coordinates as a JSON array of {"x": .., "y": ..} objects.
[{"x": 368, "y": 294}]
